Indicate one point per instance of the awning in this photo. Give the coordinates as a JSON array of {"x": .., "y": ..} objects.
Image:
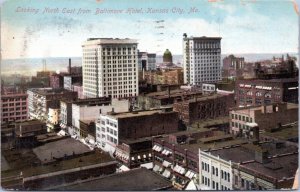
[
  {"x": 124, "y": 168},
  {"x": 190, "y": 174},
  {"x": 147, "y": 165},
  {"x": 166, "y": 173},
  {"x": 182, "y": 170},
  {"x": 187, "y": 173},
  {"x": 156, "y": 168},
  {"x": 61, "y": 133},
  {"x": 160, "y": 169},
  {"x": 166, "y": 163}
]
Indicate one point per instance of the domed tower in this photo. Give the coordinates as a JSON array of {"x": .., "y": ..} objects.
[{"x": 167, "y": 57}]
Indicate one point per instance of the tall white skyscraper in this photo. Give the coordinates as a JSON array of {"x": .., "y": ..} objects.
[
  {"x": 201, "y": 59},
  {"x": 110, "y": 68}
]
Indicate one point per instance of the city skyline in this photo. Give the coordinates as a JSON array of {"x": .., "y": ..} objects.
[{"x": 62, "y": 27}]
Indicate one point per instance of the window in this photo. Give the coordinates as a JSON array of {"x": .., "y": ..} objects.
[
  {"x": 236, "y": 180},
  {"x": 213, "y": 170},
  {"x": 213, "y": 184},
  {"x": 217, "y": 171},
  {"x": 222, "y": 174},
  {"x": 202, "y": 179},
  {"x": 243, "y": 183},
  {"x": 228, "y": 177}
]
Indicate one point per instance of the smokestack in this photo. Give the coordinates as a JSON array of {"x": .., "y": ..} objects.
[{"x": 69, "y": 68}]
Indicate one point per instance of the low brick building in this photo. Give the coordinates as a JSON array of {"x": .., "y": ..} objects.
[
  {"x": 205, "y": 107},
  {"x": 112, "y": 128},
  {"x": 176, "y": 156},
  {"x": 134, "y": 152},
  {"x": 13, "y": 107},
  {"x": 253, "y": 92},
  {"x": 165, "y": 98},
  {"x": 266, "y": 117}
]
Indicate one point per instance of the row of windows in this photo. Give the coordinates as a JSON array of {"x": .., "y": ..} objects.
[
  {"x": 13, "y": 104},
  {"x": 111, "y": 139},
  {"x": 14, "y": 99},
  {"x": 13, "y": 114},
  {"x": 13, "y": 109},
  {"x": 241, "y": 118},
  {"x": 224, "y": 175}
]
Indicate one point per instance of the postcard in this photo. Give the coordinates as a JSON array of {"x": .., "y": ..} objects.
[{"x": 149, "y": 95}]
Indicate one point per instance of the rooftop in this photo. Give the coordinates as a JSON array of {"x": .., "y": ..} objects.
[
  {"x": 89, "y": 101},
  {"x": 86, "y": 160},
  {"x": 284, "y": 133},
  {"x": 246, "y": 152},
  {"x": 137, "y": 114},
  {"x": 26, "y": 161},
  {"x": 50, "y": 151},
  {"x": 283, "y": 80},
  {"x": 29, "y": 122},
  {"x": 247, "y": 110},
  {"x": 139, "y": 179},
  {"x": 280, "y": 167},
  {"x": 205, "y": 97},
  {"x": 93, "y": 41},
  {"x": 49, "y": 91},
  {"x": 204, "y": 38},
  {"x": 173, "y": 93}
]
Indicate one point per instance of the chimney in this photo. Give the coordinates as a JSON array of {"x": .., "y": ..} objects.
[
  {"x": 69, "y": 68},
  {"x": 261, "y": 156},
  {"x": 255, "y": 131}
]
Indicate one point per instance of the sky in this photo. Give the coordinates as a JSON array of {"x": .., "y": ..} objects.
[{"x": 246, "y": 26}]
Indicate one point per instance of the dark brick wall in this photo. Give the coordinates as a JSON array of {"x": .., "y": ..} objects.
[{"x": 148, "y": 125}]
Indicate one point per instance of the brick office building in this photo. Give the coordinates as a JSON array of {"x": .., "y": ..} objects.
[
  {"x": 176, "y": 156},
  {"x": 13, "y": 107},
  {"x": 258, "y": 91},
  {"x": 112, "y": 128},
  {"x": 203, "y": 108},
  {"x": 266, "y": 117}
]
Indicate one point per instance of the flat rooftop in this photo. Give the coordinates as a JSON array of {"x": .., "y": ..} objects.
[
  {"x": 139, "y": 179},
  {"x": 173, "y": 93},
  {"x": 86, "y": 160},
  {"x": 137, "y": 114},
  {"x": 246, "y": 152},
  {"x": 246, "y": 110},
  {"x": 285, "y": 133},
  {"x": 206, "y": 97},
  {"x": 278, "y": 167},
  {"x": 283, "y": 80},
  {"x": 58, "y": 149},
  {"x": 89, "y": 101},
  {"x": 48, "y": 91},
  {"x": 30, "y": 122},
  {"x": 204, "y": 38},
  {"x": 26, "y": 161},
  {"x": 213, "y": 145},
  {"x": 209, "y": 122},
  {"x": 93, "y": 41}
]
